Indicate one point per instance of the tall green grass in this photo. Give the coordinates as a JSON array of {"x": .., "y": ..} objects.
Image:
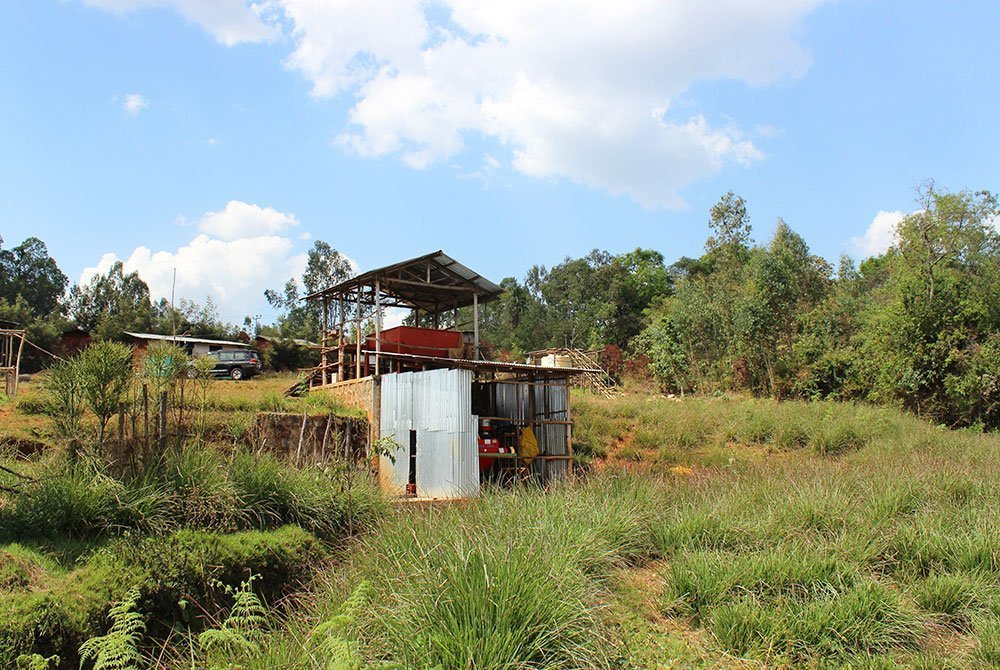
[
  {"x": 196, "y": 487},
  {"x": 848, "y": 536}
]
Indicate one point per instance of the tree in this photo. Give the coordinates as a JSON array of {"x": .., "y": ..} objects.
[
  {"x": 28, "y": 271},
  {"x": 730, "y": 224},
  {"x": 325, "y": 267},
  {"x": 112, "y": 303},
  {"x": 190, "y": 318},
  {"x": 41, "y": 331},
  {"x": 929, "y": 335}
]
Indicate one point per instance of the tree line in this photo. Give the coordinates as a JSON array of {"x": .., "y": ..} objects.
[{"x": 917, "y": 326}]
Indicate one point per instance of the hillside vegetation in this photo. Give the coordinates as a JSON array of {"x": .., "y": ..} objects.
[
  {"x": 747, "y": 533},
  {"x": 703, "y": 532}
]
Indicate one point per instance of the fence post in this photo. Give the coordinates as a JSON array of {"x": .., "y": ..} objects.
[
  {"x": 145, "y": 421},
  {"x": 163, "y": 419}
]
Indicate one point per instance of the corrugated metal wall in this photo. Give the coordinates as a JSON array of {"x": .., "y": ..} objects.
[
  {"x": 551, "y": 402},
  {"x": 437, "y": 404}
]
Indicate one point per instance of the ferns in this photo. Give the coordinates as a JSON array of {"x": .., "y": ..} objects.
[
  {"x": 331, "y": 636},
  {"x": 119, "y": 649},
  {"x": 241, "y": 632},
  {"x": 36, "y": 662}
]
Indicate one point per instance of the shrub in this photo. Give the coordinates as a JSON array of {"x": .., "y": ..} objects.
[
  {"x": 105, "y": 374},
  {"x": 699, "y": 580},
  {"x": 863, "y": 620},
  {"x": 75, "y": 501},
  {"x": 196, "y": 487}
]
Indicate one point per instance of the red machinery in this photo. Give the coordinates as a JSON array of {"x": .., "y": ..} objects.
[
  {"x": 502, "y": 440},
  {"x": 419, "y": 342}
]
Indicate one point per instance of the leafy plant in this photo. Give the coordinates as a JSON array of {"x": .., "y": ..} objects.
[
  {"x": 64, "y": 387},
  {"x": 119, "y": 648},
  {"x": 241, "y": 631},
  {"x": 105, "y": 371},
  {"x": 332, "y": 637},
  {"x": 202, "y": 369},
  {"x": 37, "y": 662}
]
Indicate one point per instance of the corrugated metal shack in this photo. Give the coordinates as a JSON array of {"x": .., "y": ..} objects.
[{"x": 456, "y": 421}]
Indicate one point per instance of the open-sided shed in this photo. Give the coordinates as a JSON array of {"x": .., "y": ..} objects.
[{"x": 455, "y": 419}]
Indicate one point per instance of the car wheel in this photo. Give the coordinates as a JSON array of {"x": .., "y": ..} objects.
[{"x": 236, "y": 373}]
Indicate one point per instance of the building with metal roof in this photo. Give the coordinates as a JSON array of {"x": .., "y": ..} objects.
[
  {"x": 194, "y": 346},
  {"x": 454, "y": 419}
]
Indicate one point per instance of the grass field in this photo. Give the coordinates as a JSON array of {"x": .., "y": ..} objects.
[{"x": 726, "y": 532}]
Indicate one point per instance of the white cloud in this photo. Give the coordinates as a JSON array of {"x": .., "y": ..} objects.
[
  {"x": 240, "y": 220},
  {"x": 585, "y": 90},
  {"x": 574, "y": 89},
  {"x": 238, "y": 254},
  {"x": 134, "y": 103},
  {"x": 229, "y": 21},
  {"x": 880, "y": 235}
]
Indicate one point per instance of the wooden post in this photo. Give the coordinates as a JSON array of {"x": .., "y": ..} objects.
[
  {"x": 302, "y": 437},
  {"x": 145, "y": 420},
  {"x": 475, "y": 326},
  {"x": 531, "y": 405},
  {"x": 163, "y": 418},
  {"x": 324, "y": 338},
  {"x": 378, "y": 325},
  {"x": 326, "y": 434},
  {"x": 340, "y": 340},
  {"x": 357, "y": 325},
  {"x": 121, "y": 426}
]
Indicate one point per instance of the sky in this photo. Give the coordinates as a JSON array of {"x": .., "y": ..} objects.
[{"x": 221, "y": 138}]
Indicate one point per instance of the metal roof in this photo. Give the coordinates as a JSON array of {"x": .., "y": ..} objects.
[
  {"x": 497, "y": 366},
  {"x": 186, "y": 340},
  {"x": 432, "y": 282}
]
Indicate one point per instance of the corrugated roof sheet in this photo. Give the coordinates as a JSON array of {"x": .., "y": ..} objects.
[
  {"x": 405, "y": 282},
  {"x": 499, "y": 366},
  {"x": 187, "y": 340}
]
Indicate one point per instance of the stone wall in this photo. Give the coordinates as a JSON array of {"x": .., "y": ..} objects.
[
  {"x": 364, "y": 394},
  {"x": 311, "y": 438}
]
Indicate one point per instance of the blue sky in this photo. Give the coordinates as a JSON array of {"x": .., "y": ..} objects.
[{"x": 221, "y": 138}]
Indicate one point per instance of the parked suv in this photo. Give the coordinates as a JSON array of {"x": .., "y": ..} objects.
[{"x": 237, "y": 364}]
